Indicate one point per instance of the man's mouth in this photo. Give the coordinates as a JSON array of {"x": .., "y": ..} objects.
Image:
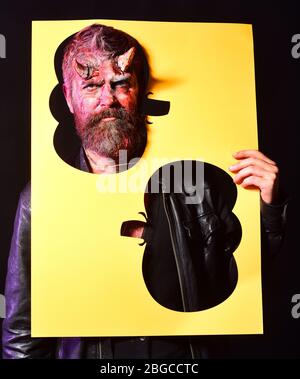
[{"x": 108, "y": 118}]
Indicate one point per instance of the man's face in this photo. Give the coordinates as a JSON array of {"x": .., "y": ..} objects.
[{"x": 105, "y": 110}]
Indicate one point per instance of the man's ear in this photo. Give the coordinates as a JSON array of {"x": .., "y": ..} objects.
[{"x": 66, "y": 91}]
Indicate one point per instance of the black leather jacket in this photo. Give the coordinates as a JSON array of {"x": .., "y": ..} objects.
[{"x": 209, "y": 229}]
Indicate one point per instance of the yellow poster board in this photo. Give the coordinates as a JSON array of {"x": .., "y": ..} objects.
[{"x": 86, "y": 279}]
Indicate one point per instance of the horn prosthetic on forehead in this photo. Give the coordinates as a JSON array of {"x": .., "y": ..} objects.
[
  {"x": 85, "y": 64},
  {"x": 85, "y": 71},
  {"x": 124, "y": 61},
  {"x": 88, "y": 70}
]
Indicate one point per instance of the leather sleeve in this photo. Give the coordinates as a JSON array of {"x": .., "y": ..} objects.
[
  {"x": 16, "y": 337},
  {"x": 273, "y": 223}
]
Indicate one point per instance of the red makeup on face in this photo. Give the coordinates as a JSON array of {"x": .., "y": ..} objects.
[{"x": 107, "y": 88}]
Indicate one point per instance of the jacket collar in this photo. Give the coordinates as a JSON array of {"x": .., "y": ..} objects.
[{"x": 81, "y": 162}]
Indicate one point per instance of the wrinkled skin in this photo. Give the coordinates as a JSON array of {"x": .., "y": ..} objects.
[
  {"x": 109, "y": 89},
  {"x": 105, "y": 111}
]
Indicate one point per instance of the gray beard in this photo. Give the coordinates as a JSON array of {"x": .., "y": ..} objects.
[{"x": 106, "y": 138}]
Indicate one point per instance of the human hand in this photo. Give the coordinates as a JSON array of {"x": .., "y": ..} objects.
[
  {"x": 133, "y": 228},
  {"x": 255, "y": 170}
]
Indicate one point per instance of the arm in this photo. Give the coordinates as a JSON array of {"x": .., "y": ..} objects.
[{"x": 16, "y": 338}]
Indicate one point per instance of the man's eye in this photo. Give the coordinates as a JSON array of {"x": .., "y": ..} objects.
[
  {"x": 91, "y": 86},
  {"x": 120, "y": 83}
]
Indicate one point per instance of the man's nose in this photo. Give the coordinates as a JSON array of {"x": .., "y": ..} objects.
[{"x": 107, "y": 97}]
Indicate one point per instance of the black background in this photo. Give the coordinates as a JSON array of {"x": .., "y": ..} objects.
[{"x": 277, "y": 90}]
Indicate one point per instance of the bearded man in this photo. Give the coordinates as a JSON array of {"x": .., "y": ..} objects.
[{"x": 105, "y": 82}]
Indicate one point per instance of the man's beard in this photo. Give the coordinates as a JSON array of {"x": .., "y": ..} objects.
[{"x": 127, "y": 131}]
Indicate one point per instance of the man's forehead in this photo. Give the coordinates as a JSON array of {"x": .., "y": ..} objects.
[
  {"x": 90, "y": 57},
  {"x": 90, "y": 63}
]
